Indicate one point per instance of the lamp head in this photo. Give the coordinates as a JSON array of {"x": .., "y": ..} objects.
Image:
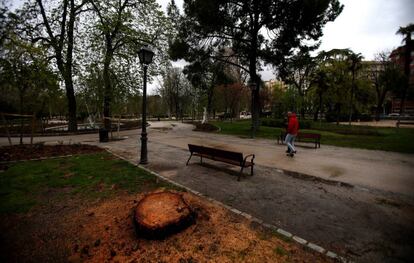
[{"x": 145, "y": 55}]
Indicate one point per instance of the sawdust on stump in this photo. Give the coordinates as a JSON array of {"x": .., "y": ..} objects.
[{"x": 160, "y": 214}]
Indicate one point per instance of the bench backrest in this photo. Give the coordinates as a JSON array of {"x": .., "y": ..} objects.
[
  {"x": 213, "y": 152},
  {"x": 309, "y": 135}
]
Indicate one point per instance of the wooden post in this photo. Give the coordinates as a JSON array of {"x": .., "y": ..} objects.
[{"x": 7, "y": 128}]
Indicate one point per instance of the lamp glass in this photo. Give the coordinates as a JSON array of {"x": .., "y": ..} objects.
[{"x": 145, "y": 55}]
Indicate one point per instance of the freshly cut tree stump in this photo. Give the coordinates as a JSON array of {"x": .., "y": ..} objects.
[{"x": 160, "y": 214}]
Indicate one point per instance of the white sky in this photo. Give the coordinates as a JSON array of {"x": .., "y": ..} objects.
[{"x": 364, "y": 26}]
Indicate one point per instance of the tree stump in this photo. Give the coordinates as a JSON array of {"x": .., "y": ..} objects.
[{"x": 160, "y": 214}]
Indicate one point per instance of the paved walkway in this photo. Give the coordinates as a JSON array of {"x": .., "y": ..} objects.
[
  {"x": 387, "y": 171},
  {"x": 374, "y": 169},
  {"x": 373, "y": 222}
]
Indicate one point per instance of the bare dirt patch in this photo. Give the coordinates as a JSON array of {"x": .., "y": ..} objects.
[
  {"x": 35, "y": 151},
  {"x": 103, "y": 231}
]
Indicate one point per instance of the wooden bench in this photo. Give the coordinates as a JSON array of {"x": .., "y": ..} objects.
[
  {"x": 303, "y": 137},
  {"x": 229, "y": 157}
]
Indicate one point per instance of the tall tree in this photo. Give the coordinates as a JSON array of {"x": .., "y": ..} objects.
[
  {"x": 335, "y": 64},
  {"x": 205, "y": 76},
  {"x": 124, "y": 26},
  {"x": 240, "y": 25},
  {"x": 320, "y": 83},
  {"x": 406, "y": 32},
  {"x": 354, "y": 64},
  {"x": 24, "y": 73},
  {"x": 58, "y": 23},
  {"x": 175, "y": 91},
  {"x": 385, "y": 76},
  {"x": 297, "y": 70}
]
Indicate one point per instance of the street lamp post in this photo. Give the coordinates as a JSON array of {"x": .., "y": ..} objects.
[{"x": 145, "y": 55}]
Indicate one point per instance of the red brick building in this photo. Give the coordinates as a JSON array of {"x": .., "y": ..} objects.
[{"x": 398, "y": 56}]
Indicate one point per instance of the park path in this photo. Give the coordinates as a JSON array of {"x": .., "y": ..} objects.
[
  {"x": 372, "y": 223},
  {"x": 382, "y": 170},
  {"x": 386, "y": 171}
]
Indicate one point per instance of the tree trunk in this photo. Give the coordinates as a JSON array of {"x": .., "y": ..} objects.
[
  {"x": 210, "y": 94},
  {"x": 65, "y": 68},
  {"x": 352, "y": 97},
  {"x": 378, "y": 109},
  {"x": 315, "y": 114},
  {"x": 338, "y": 112},
  {"x": 21, "y": 113},
  {"x": 378, "y": 112},
  {"x": 70, "y": 94},
  {"x": 253, "y": 70},
  {"x": 302, "y": 103},
  {"x": 107, "y": 90}
]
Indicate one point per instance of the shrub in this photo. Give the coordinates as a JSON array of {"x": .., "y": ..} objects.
[{"x": 206, "y": 127}]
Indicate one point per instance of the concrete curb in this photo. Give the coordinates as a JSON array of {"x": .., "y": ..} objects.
[{"x": 249, "y": 217}]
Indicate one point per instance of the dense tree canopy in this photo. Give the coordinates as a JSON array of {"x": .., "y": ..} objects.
[
  {"x": 255, "y": 31},
  {"x": 87, "y": 50}
]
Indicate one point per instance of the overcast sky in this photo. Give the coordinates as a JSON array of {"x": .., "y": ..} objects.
[{"x": 364, "y": 26}]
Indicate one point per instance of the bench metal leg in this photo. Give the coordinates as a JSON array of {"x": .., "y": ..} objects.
[
  {"x": 189, "y": 159},
  {"x": 201, "y": 159},
  {"x": 240, "y": 174},
  {"x": 251, "y": 171}
]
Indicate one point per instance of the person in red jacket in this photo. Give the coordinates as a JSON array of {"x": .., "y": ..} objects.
[{"x": 291, "y": 133}]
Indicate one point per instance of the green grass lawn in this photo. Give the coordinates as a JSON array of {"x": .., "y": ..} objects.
[
  {"x": 25, "y": 184},
  {"x": 373, "y": 138}
]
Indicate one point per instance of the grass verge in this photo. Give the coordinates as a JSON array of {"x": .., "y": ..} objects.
[
  {"x": 379, "y": 138},
  {"x": 100, "y": 175}
]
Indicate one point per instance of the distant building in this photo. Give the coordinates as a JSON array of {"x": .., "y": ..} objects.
[
  {"x": 372, "y": 69},
  {"x": 274, "y": 82},
  {"x": 398, "y": 57}
]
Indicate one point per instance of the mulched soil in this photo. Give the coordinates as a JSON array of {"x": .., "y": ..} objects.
[
  {"x": 206, "y": 127},
  {"x": 69, "y": 228},
  {"x": 35, "y": 151},
  {"x": 74, "y": 230}
]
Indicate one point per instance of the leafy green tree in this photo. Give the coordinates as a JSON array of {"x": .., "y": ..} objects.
[
  {"x": 122, "y": 27},
  {"x": 354, "y": 64},
  {"x": 229, "y": 98},
  {"x": 319, "y": 85},
  {"x": 206, "y": 75},
  {"x": 208, "y": 26},
  {"x": 335, "y": 65},
  {"x": 176, "y": 92},
  {"x": 297, "y": 70},
  {"x": 385, "y": 77},
  {"x": 56, "y": 31},
  {"x": 24, "y": 73}
]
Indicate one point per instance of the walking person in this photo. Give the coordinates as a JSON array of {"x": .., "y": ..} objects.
[{"x": 291, "y": 133}]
